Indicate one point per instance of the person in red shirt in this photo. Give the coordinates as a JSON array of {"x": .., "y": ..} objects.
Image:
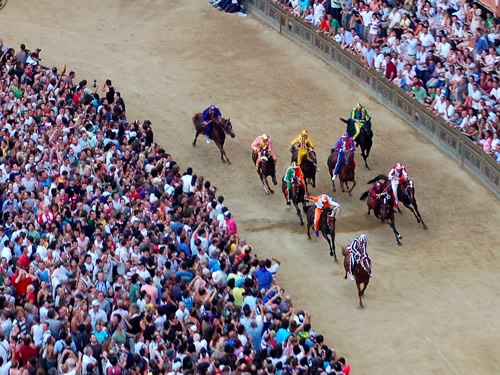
[
  {"x": 20, "y": 280},
  {"x": 27, "y": 350},
  {"x": 390, "y": 68},
  {"x": 324, "y": 25}
]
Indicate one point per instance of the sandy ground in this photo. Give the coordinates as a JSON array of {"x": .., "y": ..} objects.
[{"x": 432, "y": 306}]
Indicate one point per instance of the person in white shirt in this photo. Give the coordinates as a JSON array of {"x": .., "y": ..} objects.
[
  {"x": 474, "y": 97},
  {"x": 445, "y": 47},
  {"x": 440, "y": 106},
  {"x": 87, "y": 359},
  {"x": 319, "y": 11},
  {"x": 186, "y": 180},
  {"x": 426, "y": 39},
  {"x": 379, "y": 61}
]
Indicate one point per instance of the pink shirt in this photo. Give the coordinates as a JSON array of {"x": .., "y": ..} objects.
[{"x": 231, "y": 226}]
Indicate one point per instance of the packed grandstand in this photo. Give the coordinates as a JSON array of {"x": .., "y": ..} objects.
[
  {"x": 444, "y": 54},
  {"x": 114, "y": 259}
]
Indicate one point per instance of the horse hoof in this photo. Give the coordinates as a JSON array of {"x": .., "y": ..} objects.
[
  {"x": 223, "y": 161},
  {"x": 350, "y": 194},
  {"x": 265, "y": 191},
  {"x": 400, "y": 244},
  {"x": 302, "y": 223},
  {"x": 271, "y": 191},
  {"x": 361, "y": 306},
  {"x": 336, "y": 260},
  {"x": 425, "y": 227}
]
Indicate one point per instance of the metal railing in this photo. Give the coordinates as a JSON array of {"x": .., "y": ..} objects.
[{"x": 451, "y": 141}]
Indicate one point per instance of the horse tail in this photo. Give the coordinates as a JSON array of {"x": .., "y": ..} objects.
[
  {"x": 196, "y": 118},
  {"x": 379, "y": 177},
  {"x": 344, "y": 251},
  {"x": 364, "y": 195},
  {"x": 305, "y": 208},
  {"x": 344, "y": 120}
]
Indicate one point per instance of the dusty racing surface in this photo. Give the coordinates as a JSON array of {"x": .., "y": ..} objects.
[{"x": 432, "y": 306}]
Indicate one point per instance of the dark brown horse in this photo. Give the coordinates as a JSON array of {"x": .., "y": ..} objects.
[
  {"x": 384, "y": 210},
  {"x": 266, "y": 169},
  {"x": 309, "y": 165},
  {"x": 326, "y": 226},
  {"x": 220, "y": 128},
  {"x": 346, "y": 172},
  {"x": 298, "y": 196},
  {"x": 406, "y": 195},
  {"x": 361, "y": 271},
  {"x": 364, "y": 139}
]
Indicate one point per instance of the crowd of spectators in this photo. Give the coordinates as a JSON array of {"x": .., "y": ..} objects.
[
  {"x": 445, "y": 54},
  {"x": 114, "y": 261}
]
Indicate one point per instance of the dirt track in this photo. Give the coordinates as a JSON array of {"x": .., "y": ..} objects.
[{"x": 432, "y": 306}]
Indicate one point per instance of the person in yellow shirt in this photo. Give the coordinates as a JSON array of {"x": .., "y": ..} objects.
[{"x": 302, "y": 143}]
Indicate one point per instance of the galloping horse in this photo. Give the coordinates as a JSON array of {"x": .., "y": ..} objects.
[
  {"x": 361, "y": 271},
  {"x": 308, "y": 165},
  {"x": 326, "y": 226},
  {"x": 364, "y": 140},
  {"x": 346, "y": 172},
  {"x": 266, "y": 169},
  {"x": 298, "y": 195},
  {"x": 406, "y": 195},
  {"x": 220, "y": 128}
]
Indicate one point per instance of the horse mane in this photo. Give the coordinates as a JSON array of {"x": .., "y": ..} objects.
[{"x": 379, "y": 177}]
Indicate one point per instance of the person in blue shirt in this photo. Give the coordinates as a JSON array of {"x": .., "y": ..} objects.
[
  {"x": 480, "y": 43},
  {"x": 264, "y": 277},
  {"x": 207, "y": 117}
]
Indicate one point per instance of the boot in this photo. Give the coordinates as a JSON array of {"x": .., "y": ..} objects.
[
  {"x": 317, "y": 233},
  {"x": 334, "y": 177}
]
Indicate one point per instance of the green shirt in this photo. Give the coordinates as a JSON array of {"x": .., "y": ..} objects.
[
  {"x": 134, "y": 290},
  {"x": 420, "y": 94},
  {"x": 334, "y": 24}
]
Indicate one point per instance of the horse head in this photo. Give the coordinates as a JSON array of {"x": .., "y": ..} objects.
[
  {"x": 264, "y": 156},
  {"x": 385, "y": 204},
  {"x": 311, "y": 154},
  {"x": 330, "y": 219},
  {"x": 349, "y": 157},
  {"x": 228, "y": 127}
]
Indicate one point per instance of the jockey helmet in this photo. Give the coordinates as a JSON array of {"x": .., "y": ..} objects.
[
  {"x": 344, "y": 135},
  {"x": 304, "y": 133},
  {"x": 294, "y": 165},
  {"x": 324, "y": 198},
  {"x": 264, "y": 137},
  {"x": 363, "y": 238},
  {"x": 212, "y": 107},
  {"x": 359, "y": 106},
  {"x": 398, "y": 167}
]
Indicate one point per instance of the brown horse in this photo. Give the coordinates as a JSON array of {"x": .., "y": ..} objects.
[
  {"x": 308, "y": 165},
  {"x": 326, "y": 225},
  {"x": 298, "y": 195},
  {"x": 266, "y": 169},
  {"x": 346, "y": 172},
  {"x": 220, "y": 128},
  {"x": 361, "y": 271},
  {"x": 384, "y": 210},
  {"x": 406, "y": 195}
]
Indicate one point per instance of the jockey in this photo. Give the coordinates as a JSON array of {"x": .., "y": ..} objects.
[
  {"x": 303, "y": 143},
  {"x": 360, "y": 117},
  {"x": 293, "y": 171},
  {"x": 343, "y": 145},
  {"x": 208, "y": 115},
  {"x": 375, "y": 192},
  {"x": 322, "y": 202},
  {"x": 358, "y": 246},
  {"x": 398, "y": 174},
  {"x": 261, "y": 143}
]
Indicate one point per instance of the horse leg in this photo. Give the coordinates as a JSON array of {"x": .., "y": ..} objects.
[
  {"x": 418, "y": 213},
  {"x": 334, "y": 189},
  {"x": 263, "y": 180},
  {"x": 352, "y": 187},
  {"x": 342, "y": 183},
  {"x": 358, "y": 285},
  {"x": 275, "y": 182},
  {"x": 298, "y": 213},
  {"x": 329, "y": 242},
  {"x": 196, "y": 134},
  {"x": 396, "y": 233},
  {"x": 309, "y": 230},
  {"x": 268, "y": 187},
  {"x": 332, "y": 235},
  {"x": 225, "y": 155},
  {"x": 407, "y": 205},
  {"x": 365, "y": 285},
  {"x": 365, "y": 157}
]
